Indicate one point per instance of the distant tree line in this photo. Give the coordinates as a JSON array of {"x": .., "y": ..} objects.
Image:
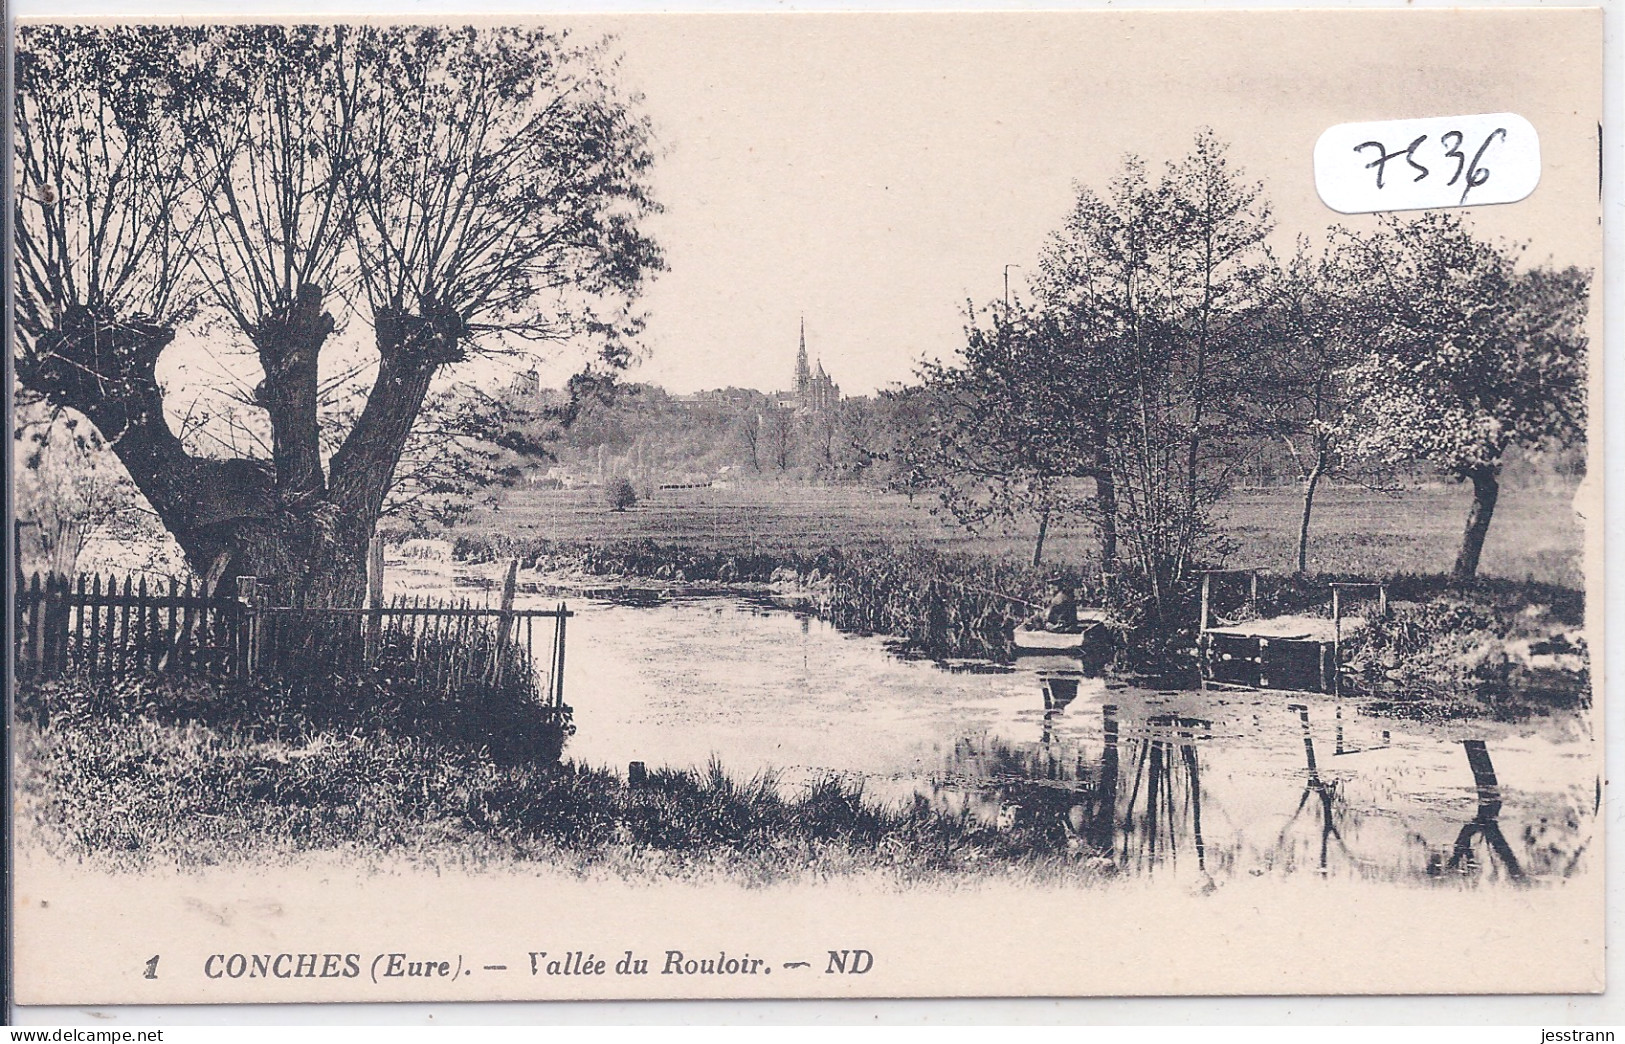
[
  {"x": 639, "y": 429},
  {"x": 1165, "y": 340}
]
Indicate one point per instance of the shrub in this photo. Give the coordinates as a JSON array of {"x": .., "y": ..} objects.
[{"x": 619, "y": 494}]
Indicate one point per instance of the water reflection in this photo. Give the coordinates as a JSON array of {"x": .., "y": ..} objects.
[
  {"x": 1059, "y": 692},
  {"x": 1485, "y": 826},
  {"x": 1323, "y": 791},
  {"x": 1140, "y": 790},
  {"x": 1200, "y": 785},
  {"x": 1167, "y": 776}
]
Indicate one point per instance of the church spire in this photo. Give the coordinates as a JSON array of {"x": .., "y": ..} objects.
[{"x": 803, "y": 372}]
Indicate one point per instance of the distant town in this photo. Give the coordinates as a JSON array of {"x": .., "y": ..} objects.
[{"x": 712, "y": 437}]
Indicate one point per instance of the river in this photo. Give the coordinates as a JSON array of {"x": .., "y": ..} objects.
[
  {"x": 1200, "y": 784},
  {"x": 1203, "y": 784}
]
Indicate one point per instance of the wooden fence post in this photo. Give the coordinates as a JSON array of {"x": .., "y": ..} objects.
[
  {"x": 94, "y": 649},
  {"x": 79, "y": 624},
  {"x": 48, "y": 614},
  {"x": 558, "y": 669},
  {"x": 122, "y": 652},
  {"x": 372, "y": 629},
  {"x": 42, "y": 612},
  {"x": 28, "y": 630},
  {"x": 248, "y": 641},
  {"x": 142, "y": 641},
  {"x": 1337, "y": 640},
  {"x": 510, "y": 583},
  {"x": 17, "y": 526}
]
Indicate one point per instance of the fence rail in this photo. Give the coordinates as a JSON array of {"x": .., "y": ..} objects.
[{"x": 102, "y": 627}]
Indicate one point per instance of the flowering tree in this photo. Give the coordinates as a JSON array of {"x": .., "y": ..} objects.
[
  {"x": 1156, "y": 283},
  {"x": 1467, "y": 357}
]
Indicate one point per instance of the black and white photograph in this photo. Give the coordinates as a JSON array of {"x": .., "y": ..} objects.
[{"x": 818, "y": 505}]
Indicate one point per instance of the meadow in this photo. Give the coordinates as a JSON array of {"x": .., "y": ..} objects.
[{"x": 1535, "y": 535}]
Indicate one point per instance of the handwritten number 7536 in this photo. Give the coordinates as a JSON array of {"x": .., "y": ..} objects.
[{"x": 1477, "y": 173}]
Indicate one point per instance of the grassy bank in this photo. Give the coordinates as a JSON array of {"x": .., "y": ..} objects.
[
  {"x": 1492, "y": 647},
  {"x": 1495, "y": 648},
  {"x": 171, "y": 773},
  {"x": 937, "y": 603},
  {"x": 1356, "y": 531}
]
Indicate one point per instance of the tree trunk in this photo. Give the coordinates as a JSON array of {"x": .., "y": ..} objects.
[
  {"x": 1043, "y": 530},
  {"x": 289, "y": 342},
  {"x": 243, "y": 517},
  {"x": 410, "y": 349},
  {"x": 1486, "y": 489},
  {"x": 749, "y": 430},
  {"x": 1309, "y": 483},
  {"x": 1106, "y": 502},
  {"x": 105, "y": 367}
]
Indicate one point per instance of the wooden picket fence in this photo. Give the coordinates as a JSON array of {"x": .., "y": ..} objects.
[
  {"x": 98, "y": 626},
  {"x": 461, "y": 646},
  {"x": 104, "y": 627}
]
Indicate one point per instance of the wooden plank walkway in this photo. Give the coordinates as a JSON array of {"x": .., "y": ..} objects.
[
  {"x": 1290, "y": 628},
  {"x": 1289, "y": 651}
]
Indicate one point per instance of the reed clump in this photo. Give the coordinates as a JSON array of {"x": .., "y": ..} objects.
[
  {"x": 939, "y": 604},
  {"x": 1474, "y": 639}
]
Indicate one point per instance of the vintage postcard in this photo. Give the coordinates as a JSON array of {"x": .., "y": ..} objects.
[{"x": 807, "y": 505}]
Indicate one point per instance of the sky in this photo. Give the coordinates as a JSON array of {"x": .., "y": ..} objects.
[{"x": 872, "y": 173}]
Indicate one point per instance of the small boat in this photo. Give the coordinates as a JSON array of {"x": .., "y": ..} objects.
[
  {"x": 1091, "y": 641},
  {"x": 1051, "y": 641}
]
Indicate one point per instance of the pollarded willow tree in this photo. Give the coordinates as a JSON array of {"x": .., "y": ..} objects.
[
  {"x": 1467, "y": 357},
  {"x": 101, "y": 265},
  {"x": 464, "y": 190}
]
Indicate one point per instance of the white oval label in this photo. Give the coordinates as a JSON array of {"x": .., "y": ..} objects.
[{"x": 1441, "y": 161}]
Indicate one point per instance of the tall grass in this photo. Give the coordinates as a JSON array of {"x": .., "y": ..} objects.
[
  {"x": 936, "y": 603},
  {"x": 1495, "y": 649},
  {"x": 318, "y": 696},
  {"x": 171, "y": 774},
  {"x": 945, "y": 605}
]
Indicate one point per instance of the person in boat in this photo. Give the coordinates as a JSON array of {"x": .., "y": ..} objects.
[{"x": 1061, "y": 614}]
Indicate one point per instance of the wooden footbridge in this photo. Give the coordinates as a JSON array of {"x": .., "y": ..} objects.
[{"x": 1291, "y": 651}]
